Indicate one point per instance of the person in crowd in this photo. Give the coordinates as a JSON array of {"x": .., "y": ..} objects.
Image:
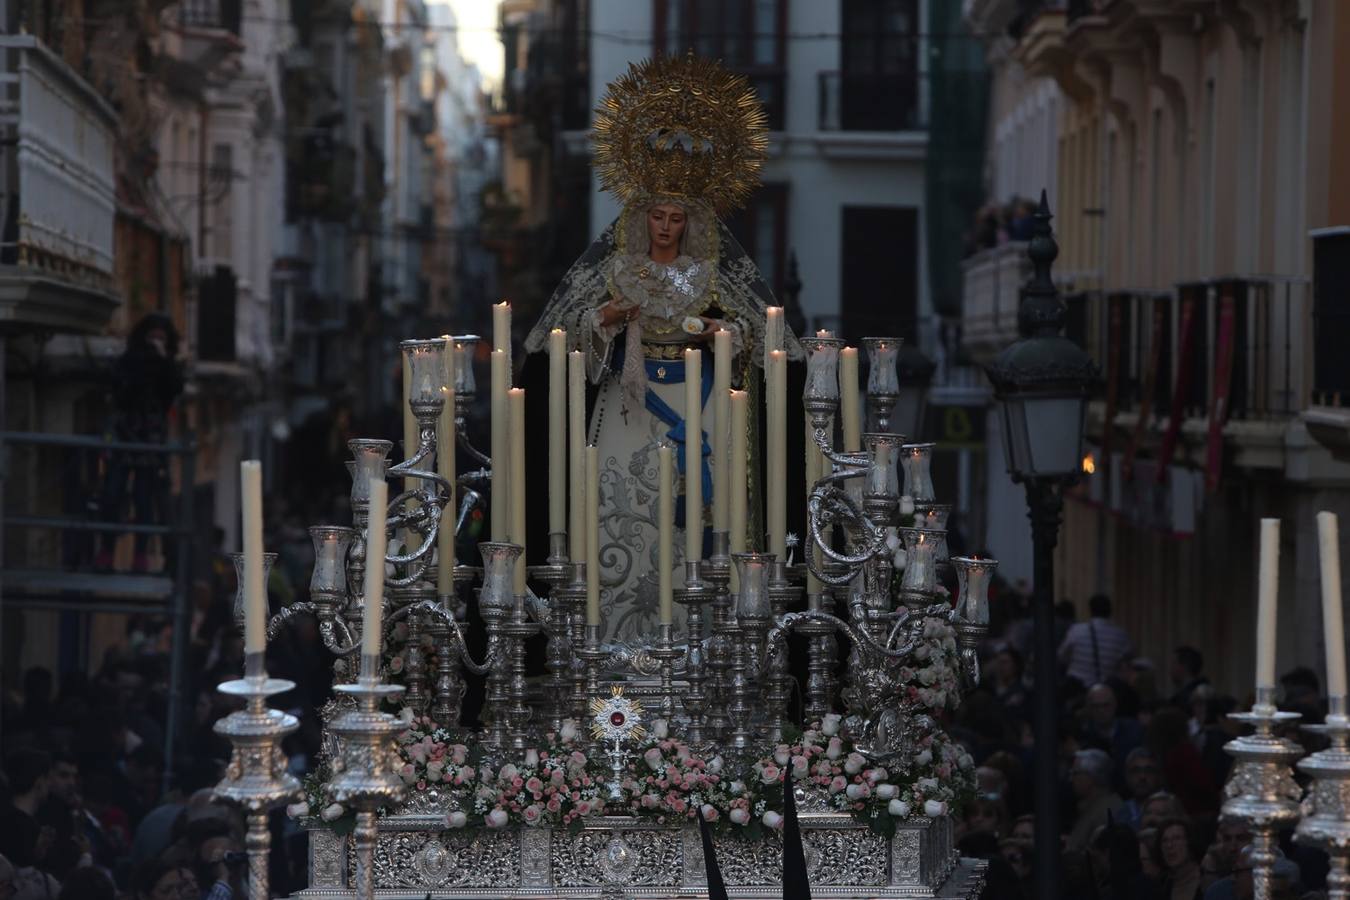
[
  {"x": 1285, "y": 882},
  {"x": 1091, "y": 650},
  {"x": 1301, "y": 692},
  {"x": 1091, "y": 777},
  {"x": 1104, "y": 729},
  {"x": 1231, "y": 835},
  {"x": 1143, "y": 779},
  {"x": 165, "y": 879},
  {"x": 1183, "y": 770},
  {"x": 1163, "y": 805},
  {"x": 1006, "y": 672},
  {"x": 1188, "y": 666},
  {"x": 1024, "y": 828},
  {"x": 1178, "y": 851},
  {"x": 22, "y": 840},
  {"x": 88, "y": 883},
  {"x": 1113, "y": 861}
]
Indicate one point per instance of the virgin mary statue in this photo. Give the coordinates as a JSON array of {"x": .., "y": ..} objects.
[{"x": 679, "y": 141}]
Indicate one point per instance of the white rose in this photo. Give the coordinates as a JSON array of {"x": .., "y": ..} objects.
[
  {"x": 296, "y": 810},
  {"x": 887, "y": 791},
  {"x": 508, "y": 772},
  {"x": 405, "y": 715},
  {"x": 898, "y": 808},
  {"x": 853, "y": 763},
  {"x": 830, "y": 724},
  {"x": 531, "y": 758},
  {"x": 934, "y": 808},
  {"x": 853, "y": 791},
  {"x": 715, "y": 764},
  {"x": 899, "y": 558},
  {"x": 660, "y": 729},
  {"x": 569, "y": 731},
  {"x": 496, "y": 818},
  {"x": 906, "y": 505},
  {"x": 456, "y": 819},
  {"x": 332, "y": 812},
  {"x": 781, "y": 754},
  {"x": 739, "y": 816},
  {"x": 738, "y": 787},
  {"x": 924, "y": 758},
  {"x": 772, "y": 819}
]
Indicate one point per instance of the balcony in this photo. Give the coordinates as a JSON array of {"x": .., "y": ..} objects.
[
  {"x": 872, "y": 116},
  {"x": 56, "y": 264},
  {"x": 992, "y": 284}
]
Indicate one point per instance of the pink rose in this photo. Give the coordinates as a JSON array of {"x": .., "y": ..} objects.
[
  {"x": 534, "y": 785},
  {"x": 649, "y": 802},
  {"x": 739, "y": 815},
  {"x": 835, "y": 749},
  {"x": 408, "y": 773},
  {"x": 458, "y": 753},
  {"x": 709, "y": 812},
  {"x": 770, "y": 774},
  {"x": 395, "y": 664},
  {"x": 837, "y": 784},
  {"x": 678, "y": 805},
  {"x": 553, "y": 805},
  {"x": 532, "y": 814},
  {"x": 556, "y": 777},
  {"x": 800, "y": 767},
  {"x": 653, "y": 758},
  {"x": 584, "y": 808},
  {"x": 496, "y": 819}
]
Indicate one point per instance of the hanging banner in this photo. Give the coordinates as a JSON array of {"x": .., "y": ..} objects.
[
  {"x": 1182, "y": 386},
  {"x": 1223, "y": 378}
]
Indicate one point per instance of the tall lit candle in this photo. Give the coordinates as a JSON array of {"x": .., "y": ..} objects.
[
  {"x": 410, "y": 442},
  {"x": 721, "y": 429},
  {"x": 445, "y": 467},
  {"x": 693, "y": 454},
  {"x": 665, "y": 514},
  {"x": 500, "y": 463},
  {"x": 576, "y": 455},
  {"x": 850, "y": 407},
  {"x": 740, "y": 416},
  {"x": 501, "y": 327},
  {"x": 515, "y": 415},
  {"x": 813, "y": 473},
  {"x": 1268, "y": 584},
  {"x": 255, "y": 590},
  {"x": 592, "y": 535},
  {"x": 776, "y": 445},
  {"x": 372, "y": 625},
  {"x": 773, "y": 331},
  {"x": 557, "y": 431},
  {"x": 1333, "y": 628}
]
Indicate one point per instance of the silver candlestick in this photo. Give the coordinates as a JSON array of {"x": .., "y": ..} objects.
[
  {"x": 496, "y": 601},
  {"x": 517, "y": 630},
  {"x": 257, "y": 778},
  {"x": 717, "y": 649},
  {"x": 592, "y": 656},
  {"x": 777, "y": 680},
  {"x": 555, "y": 573},
  {"x": 573, "y": 601},
  {"x": 1261, "y": 790},
  {"x": 1326, "y": 806},
  {"x": 365, "y": 771},
  {"x": 693, "y": 596},
  {"x": 666, "y": 654}
]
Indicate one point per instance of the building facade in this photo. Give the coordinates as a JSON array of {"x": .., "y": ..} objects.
[{"x": 1187, "y": 149}]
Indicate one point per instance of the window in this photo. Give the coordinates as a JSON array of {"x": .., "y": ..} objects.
[
  {"x": 761, "y": 228},
  {"x": 746, "y": 35},
  {"x": 880, "y": 272},
  {"x": 879, "y": 57}
]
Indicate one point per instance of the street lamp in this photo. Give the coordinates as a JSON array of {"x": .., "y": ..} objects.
[{"x": 1042, "y": 384}]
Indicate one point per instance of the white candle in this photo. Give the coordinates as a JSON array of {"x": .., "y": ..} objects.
[
  {"x": 557, "y": 431},
  {"x": 1268, "y": 583},
  {"x": 773, "y": 331},
  {"x": 372, "y": 637},
  {"x": 515, "y": 413},
  {"x": 776, "y": 445},
  {"x": 812, "y": 475},
  {"x": 576, "y": 458},
  {"x": 693, "y": 454},
  {"x": 1329, "y": 551},
  {"x": 255, "y": 590},
  {"x": 501, "y": 327},
  {"x": 721, "y": 429},
  {"x": 445, "y": 467},
  {"x": 592, "y": 535},
  {"x": 410, "y": 445},
  {"x": 740, "y": 415},
  {"x": 665, "y": 516},
  {"x": 850, "y": 410},
  {"x": 498, "y": 449}
]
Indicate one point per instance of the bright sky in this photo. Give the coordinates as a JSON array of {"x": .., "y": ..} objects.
[{"x": 479, "y": 40}]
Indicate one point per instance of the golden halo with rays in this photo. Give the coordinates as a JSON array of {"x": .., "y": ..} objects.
[{"x": 680, "y": 127}]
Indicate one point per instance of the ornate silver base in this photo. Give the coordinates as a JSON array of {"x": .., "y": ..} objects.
[{"x": 415, "y": 857}]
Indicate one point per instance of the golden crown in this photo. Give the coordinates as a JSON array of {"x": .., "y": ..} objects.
[{"x": 683, "y": 128}]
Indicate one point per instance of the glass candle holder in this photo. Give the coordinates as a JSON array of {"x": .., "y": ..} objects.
[
  {"x": 917, "y": 460},
  {"x": 753, "y": 570},
  {"x": 464, "y": 349},
  {"x": 370, "y": 460},
  {"x": 238, "y": 558},
  {"x": 331, "y": 543},
  {"x": 920, "y": 576},
  {"x": 972, "y": 587},
  {"x": 497, "y": 595},
  {"x": 875, "y": 441},
  {"x": 933, "y": 517},
  {"x": 882, "y": 353},
  {"x": 426, "y": 366},
  {"x": 822, "y": 369}
]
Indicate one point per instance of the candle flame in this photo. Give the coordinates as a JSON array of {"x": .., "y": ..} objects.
[{"x": 1089, "y": 464}]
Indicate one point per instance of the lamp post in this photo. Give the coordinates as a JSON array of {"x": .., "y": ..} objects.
[{"x": 1042, "y": 384}]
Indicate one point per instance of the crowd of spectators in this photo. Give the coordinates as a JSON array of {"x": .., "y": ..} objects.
[
  {"x": 996, "y": 224},
  {"x": 1141, "y": 767},
  {"x": 89, "y": 810}
]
